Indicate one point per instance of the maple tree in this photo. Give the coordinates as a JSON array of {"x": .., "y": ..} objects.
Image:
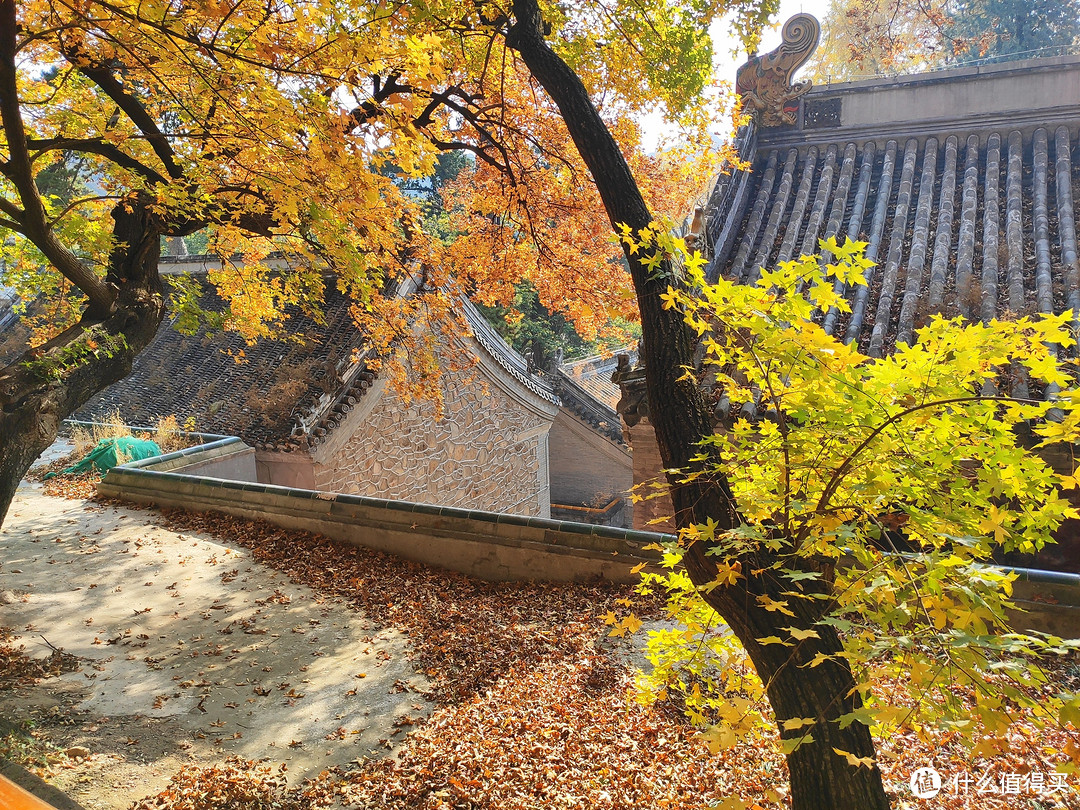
[
  {"x": 872, "y": 495},
  {"x": 272, "y": 124},
  {"x": 175, "y": 117}
]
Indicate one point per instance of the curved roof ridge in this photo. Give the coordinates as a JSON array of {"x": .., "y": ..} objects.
[{"x": 502, "y": 353}]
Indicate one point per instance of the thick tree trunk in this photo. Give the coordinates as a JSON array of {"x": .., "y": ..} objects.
[
  {"x": 45, "y": 385},
  {"x": 820, "y": 778}
]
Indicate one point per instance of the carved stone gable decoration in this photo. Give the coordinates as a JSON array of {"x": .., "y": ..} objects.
[{"x": 764, "y": 82}]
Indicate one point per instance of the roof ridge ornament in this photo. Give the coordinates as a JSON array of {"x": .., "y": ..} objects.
[{"x": 764, "y": 82}]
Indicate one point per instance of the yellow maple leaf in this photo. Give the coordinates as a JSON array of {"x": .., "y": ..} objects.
[
  {"x": 854, "y": 761},
  {"x": 993, "y": 524}
]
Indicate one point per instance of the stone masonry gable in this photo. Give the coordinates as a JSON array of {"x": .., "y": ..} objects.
[{"x": 489, "y": 452}]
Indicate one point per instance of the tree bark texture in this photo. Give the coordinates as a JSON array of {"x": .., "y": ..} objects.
[
  {"x": 46, "y": 384},
  {"x": 820, "y": 778}
]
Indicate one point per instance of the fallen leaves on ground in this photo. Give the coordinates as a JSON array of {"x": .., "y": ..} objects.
[
  {"x": 535, "y": 714},
  {"x": 19, "y": 669},
  {"x": 466, "y": 633},
  {"x": 73, "y": 487},
  {"x": 236, "y": 783},
  {"x": 562, "y": 735}
]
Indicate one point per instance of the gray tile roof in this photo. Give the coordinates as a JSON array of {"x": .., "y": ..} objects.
[
  {"x": 971, "y": 211},
  {"x": 282, "y": 394},
  {"x": 285, "y": 395},
  {"x": 587, "y": 390}
]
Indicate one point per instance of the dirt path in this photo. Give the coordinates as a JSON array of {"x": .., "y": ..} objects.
[{"x": 190, "y": 651}]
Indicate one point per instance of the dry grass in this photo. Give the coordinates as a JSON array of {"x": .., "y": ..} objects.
[
  {"x": 112, "y": 427},
  {"x": 167, "y": 433},
  {"x": 168, "y": 436}
]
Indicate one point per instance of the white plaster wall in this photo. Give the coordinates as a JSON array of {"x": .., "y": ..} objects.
[{"x": 586, "y": 468}]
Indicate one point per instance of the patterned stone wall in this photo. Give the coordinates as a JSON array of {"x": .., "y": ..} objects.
[{"x": 489, "y": 452}]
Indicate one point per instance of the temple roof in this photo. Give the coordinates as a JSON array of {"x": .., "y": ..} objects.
[
  {"x": 961, "y": 181},
  {"x": 284, "y": 395},
  {"x": 13, "y": 332},
  {"x": 586, "y": 388}
]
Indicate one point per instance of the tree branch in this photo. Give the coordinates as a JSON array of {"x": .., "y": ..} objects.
[
  {"x": 104, "y": 78},
  {"x": 95, "y": 146},
  {"x": 12, "y": 211},
  {"x": 838, "y": 475},
  {"x": 372, "y": 108},
  {"x": 19, "y": 170}
]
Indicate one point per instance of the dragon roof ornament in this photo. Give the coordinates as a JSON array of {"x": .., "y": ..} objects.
[{"x": 764, "y": 82}]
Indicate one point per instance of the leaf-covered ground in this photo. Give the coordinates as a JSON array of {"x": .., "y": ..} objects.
[
  {"x": 534, "y": 708},
  {"x": 18, "y": 669},
  {"x": 82, "y": 486},
  {"x": 467, "y": 633}
]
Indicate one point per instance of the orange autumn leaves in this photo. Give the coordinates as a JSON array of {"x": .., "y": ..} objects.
[
  {"x": 545, "y": 222},
  {"x": 286, "y": 129}
]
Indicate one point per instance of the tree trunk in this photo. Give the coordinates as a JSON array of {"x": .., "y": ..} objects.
[
  {"x": 820, "y": 778},
  {"x": 45, "y": 385}
]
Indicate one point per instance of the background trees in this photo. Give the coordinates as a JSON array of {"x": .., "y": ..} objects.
[
  {"x": 1003, "y": 30},
  {"x": 864, "y": 38}
]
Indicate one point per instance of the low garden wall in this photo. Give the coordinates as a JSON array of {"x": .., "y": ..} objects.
[
  {"x": 487, "y": 545},
  {"x": 220, "y": 476}
]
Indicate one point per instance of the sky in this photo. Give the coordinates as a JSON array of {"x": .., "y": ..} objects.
[
  {"x": 723, "y": 44},
  {"x": 726, "y": 63}
]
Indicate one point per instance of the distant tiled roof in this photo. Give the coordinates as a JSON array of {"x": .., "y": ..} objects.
[
  {"x": 964, "y": 183},
  {"x": 593, "y": 374},
  {"x": 282, "y": 394},
  {"x": 13, "y": 333},
  {"x": 586, "y": 389}
]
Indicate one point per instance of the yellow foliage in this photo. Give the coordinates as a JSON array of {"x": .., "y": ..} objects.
[{"x": 859, "y": 455}]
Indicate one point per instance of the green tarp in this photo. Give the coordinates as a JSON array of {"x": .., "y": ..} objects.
[{"x": 110, "y": 452}]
